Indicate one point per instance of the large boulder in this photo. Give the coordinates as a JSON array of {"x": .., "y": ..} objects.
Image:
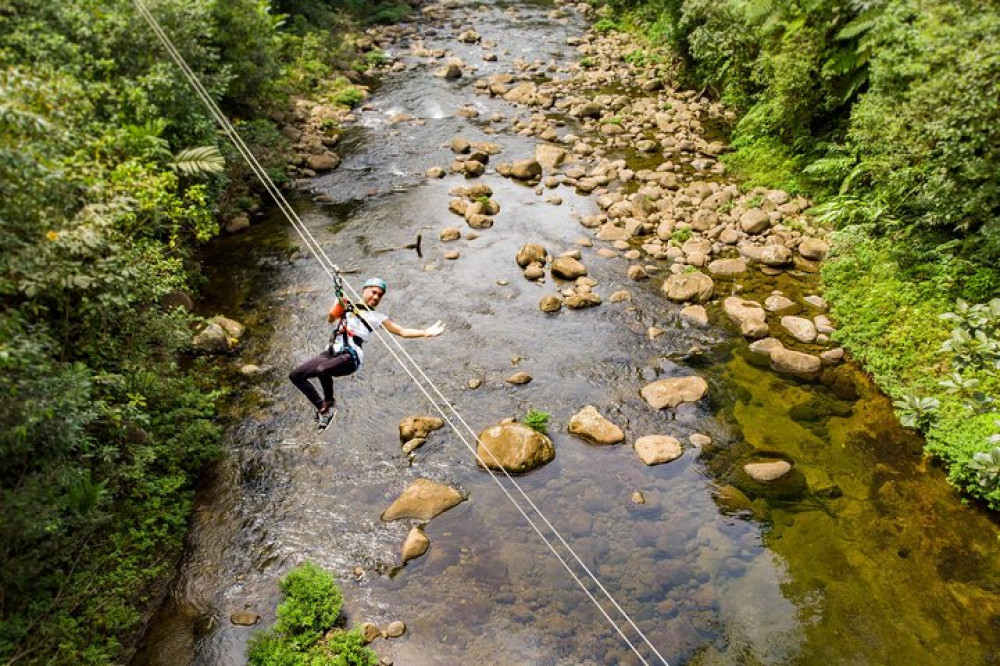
[
  {"x": 591, "y": 426},
  {"x": 657, "y": 449},
  {"x": 515, "y": 447},
  {"x": 423, "y": 499},
  {"x": 694, "y": 286},
  {"x": 672, "y": 391},
  {"x": 567, "y": 268}
]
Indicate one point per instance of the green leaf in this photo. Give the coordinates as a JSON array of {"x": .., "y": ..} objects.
[{"x": 199, "y": 161}]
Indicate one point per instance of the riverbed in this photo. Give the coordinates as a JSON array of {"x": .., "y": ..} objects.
[{"x": 873, "y": 560}]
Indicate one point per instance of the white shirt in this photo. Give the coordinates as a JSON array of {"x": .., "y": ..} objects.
[{"x": 356, "y": 330}]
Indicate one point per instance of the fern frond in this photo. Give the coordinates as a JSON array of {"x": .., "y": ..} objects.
[{"x": 200, "y": 160}]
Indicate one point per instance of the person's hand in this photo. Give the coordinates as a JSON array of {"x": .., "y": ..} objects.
[{"x": 434, "y": 330}]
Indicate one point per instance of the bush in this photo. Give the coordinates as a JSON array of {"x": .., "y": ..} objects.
[{"x": 309, "y": 610}]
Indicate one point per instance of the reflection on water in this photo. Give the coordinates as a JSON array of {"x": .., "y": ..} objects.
[{"x": 868, "y": 559}]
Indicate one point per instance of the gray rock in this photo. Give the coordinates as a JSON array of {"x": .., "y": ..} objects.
[{"x": 589, "y": 424}]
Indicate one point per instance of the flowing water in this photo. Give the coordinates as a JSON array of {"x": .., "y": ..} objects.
[{"x": 866, "y": 557}]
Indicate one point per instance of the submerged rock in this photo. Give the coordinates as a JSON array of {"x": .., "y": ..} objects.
[{"x": 657, "y": 449}]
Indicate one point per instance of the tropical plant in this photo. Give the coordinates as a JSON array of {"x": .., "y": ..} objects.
[
  {"x": 915, "y": 411},
  {"x": 537, "y": 420}
]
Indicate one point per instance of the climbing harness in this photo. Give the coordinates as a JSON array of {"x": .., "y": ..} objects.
[{"x": 433, "y": 394}]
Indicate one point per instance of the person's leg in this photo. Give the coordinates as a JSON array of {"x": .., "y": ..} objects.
[
  {"x": 333, "y": 366},
  {"x": 301, "y": 375}
]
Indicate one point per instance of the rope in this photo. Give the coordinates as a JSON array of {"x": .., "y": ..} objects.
[{"x": 399, "y": 352}]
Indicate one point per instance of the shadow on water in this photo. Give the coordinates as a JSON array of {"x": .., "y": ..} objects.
[{"x": 863, "y": 556}]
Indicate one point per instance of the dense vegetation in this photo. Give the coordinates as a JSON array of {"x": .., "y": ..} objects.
[
  {"x": 304, "y": 634},
  {"x": 109, "y": 180},
  {"x": 887, "y": 115}
]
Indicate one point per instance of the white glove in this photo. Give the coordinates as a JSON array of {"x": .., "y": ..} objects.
[{"x": 434, "y": 330}]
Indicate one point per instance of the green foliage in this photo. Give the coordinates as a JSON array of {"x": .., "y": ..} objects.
[
  {"x": 310, "y": 609},
  {"x": 198, "y": 161},
  {"x": 916, "y": 412},
  {"x": 605, "y": 25},
  {"x": 586, "y": 63},
  {"x": 537, "y": 420},
  {"x": 680, "y": 235}
]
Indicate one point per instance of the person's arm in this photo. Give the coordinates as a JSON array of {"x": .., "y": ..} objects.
[
  {"x": 336, "y": 311},
  {"x": 432, "y": 331}
]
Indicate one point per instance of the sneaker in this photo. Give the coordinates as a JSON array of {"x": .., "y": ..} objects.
[{"x": 323, "y": 418}]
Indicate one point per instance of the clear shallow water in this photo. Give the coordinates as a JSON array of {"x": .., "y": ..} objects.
[{"x": 876, "y": 562}]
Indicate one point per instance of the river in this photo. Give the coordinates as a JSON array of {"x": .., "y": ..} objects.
[{"x": 873, "y": 560}]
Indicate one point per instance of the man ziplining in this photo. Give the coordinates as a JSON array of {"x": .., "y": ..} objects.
[{"x": 345, "y": 352}]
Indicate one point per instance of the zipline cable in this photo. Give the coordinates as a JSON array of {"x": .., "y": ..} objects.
[{"x": 334, "y": 273}]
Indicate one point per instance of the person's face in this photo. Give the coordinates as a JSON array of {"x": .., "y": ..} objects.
[{"x": 372, "y": 296}]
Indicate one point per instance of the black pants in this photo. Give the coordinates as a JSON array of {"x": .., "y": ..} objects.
[{"x": 326, "y": 366}]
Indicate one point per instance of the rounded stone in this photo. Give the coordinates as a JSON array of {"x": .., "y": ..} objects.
[{"x": 658, "y": 449}]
